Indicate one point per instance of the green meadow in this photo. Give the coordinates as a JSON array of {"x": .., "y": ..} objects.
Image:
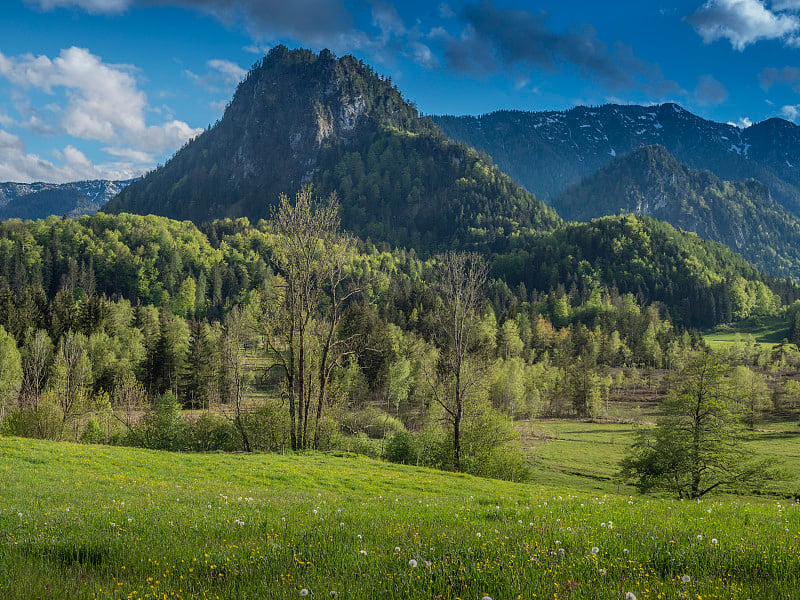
[
  {"x": 765, "y": 331},
  {"x": 82, "y": 521}
]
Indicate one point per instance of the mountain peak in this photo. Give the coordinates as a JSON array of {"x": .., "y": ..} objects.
[{"x": 300, "y": 118}]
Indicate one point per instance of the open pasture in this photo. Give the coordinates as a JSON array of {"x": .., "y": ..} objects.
[{"x": 103, "y": 522}]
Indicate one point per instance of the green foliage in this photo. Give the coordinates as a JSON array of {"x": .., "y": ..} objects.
[
  {"x": 696, "y": 446},
  {"x": 741, "y": 215},
  {"x": 701, "y": 283},
  {"x": 402, "y": 448},
  {"x": 10, "y": 371},
  {"x": 161, "y": 426}
]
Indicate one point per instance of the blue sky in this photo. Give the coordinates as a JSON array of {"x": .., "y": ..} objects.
[{"x": 110, "y": 88}]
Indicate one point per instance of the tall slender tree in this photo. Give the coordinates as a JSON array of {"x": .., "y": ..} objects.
[
  {"x": 457, "y": 376},
  {"x": 302, "y": 308}
]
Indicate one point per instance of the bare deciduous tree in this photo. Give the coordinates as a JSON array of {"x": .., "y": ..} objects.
[
  {"x": 301, "y": 312},
  {"x": 457, "y": 375}
]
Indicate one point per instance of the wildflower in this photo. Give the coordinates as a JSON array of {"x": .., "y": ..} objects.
[
  {"x": 630, "y": 596},
  {"x": 364, "y": 552},
  {"x": 412, "y": 563},
  {"x": 303, "y": 592},
  {"x": 686, "y": 579},
  {"x": 428, "y": 563},
  {"x": 486, "y": 598},
  {"x": 359, "y": 536},
  {"x": 478, "y": 534},
  {"x": 714, "y": 541},
  {"x": 595, "y": 550},
  {"x": 699, "y": 537},
  {"x": 397, "y": 548}
]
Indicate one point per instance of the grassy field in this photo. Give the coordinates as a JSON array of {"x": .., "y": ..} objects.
[
  {"x": 586, "y": 455},
  {"x": 766, "y": 331},
  {"x": 102, "y": 522}
]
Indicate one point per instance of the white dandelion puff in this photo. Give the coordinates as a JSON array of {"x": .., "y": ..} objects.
[
  {"x": 412, "y": 563},
  {"x": 686, "y": 579},
  {"x": 303, "y": 592}
]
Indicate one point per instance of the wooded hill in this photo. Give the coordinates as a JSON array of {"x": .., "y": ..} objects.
[
  {"x": 650, "y": 181},
  {"x": 303, "y": 118}
]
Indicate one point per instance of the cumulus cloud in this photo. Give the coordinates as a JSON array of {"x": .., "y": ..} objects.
[
  {"x": 710, "y": 91},
  {"x": 742, "y": 123},
  {"x": 16, "y": 164},
  {"x": 744, "y": 22},
  {"x": 790, "y": 112},
  {"x": 222, "y": 75},
  {"x": 103, "y": 101},
  {"x": 315, "y": 22}
]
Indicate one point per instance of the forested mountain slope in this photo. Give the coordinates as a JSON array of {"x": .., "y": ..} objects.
[
  {"x": 301, "y": 118},
  {"x": 649, "y": 181},
  {"x": 549, "y": 151}
]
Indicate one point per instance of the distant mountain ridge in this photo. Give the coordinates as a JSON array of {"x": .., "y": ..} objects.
[
  {"x": 40, "y": 200},
  {"x": 649, "y": 181},
  {"x": 549, "y": 151},
  {"x": 299, "y": 118}
]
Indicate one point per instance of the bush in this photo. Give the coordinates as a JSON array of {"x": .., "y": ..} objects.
[
  {"x": 402, "y": 448},
  {"x": 93, "y": 434},
  {"x": 161, "y": 427},
  {"x": 267, "y": 427},
  {"x": 213, "y": 432},
  {"x": 43, "y": 422}
]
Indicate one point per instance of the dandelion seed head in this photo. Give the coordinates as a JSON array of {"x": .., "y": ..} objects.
[
  {"x": 686, "y": 579},
  {"x": 714, "y": 541},
  {"x": 304, "y": 592},
  {"x": 412, "y": 563},
  {"x": 630, "y": 596},
  {"x": 397, "y": 548},
  {"x": 595, "y": 550},
  {"x": 362, "y": 552}
]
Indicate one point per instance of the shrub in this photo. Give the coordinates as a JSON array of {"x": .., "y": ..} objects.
[
  {"x": 402, "y": 448},
  {"x": 213, "y": 432}
]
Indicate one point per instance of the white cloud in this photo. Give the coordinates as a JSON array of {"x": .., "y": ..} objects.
[
  {"x": 103, "y": 101},
  {"x": 744, "y": 22},
  {"x": 786, "y": 5},
  {"x": 90, "y": 6},
  {"x": 790, "y": 112},
  {"x": 742, "y": 123},
  {"x": 222, "y": 75},
  {"x": 232, "y": 72},
  {"x": 16, "y": 164}
]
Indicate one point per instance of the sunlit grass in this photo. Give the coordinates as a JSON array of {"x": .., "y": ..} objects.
[{"x": 101, "y": 522}]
